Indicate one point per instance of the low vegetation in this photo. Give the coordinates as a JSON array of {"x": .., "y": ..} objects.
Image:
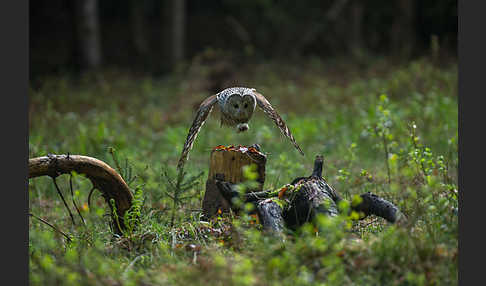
[{"x": 389, "y": 130}]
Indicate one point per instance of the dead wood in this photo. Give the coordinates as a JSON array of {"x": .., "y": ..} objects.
[
  {"x": 302, "y": 199},
  {"x": 270, "y": 215},
  {"x": 315, "y": 196},
  {"x": 372, "y": 204},
  {"x": 102, "y": 176},
  {"x": 226, "y": 164},
  {"x": 311, "y": 195}
]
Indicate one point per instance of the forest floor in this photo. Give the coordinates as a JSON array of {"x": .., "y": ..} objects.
[{"x": 391, "y": 130}]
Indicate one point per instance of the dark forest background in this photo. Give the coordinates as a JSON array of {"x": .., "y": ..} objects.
[{"x": 155, "y": 37}]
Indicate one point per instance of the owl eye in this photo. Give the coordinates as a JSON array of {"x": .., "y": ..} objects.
[
  {"x": 246, "y": 105},
  {"x": 236, "y": 105}
]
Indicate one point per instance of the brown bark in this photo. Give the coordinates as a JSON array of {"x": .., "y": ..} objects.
[
  {"x": 226, "y": 164},
  {"x": 101, "y": 175}
]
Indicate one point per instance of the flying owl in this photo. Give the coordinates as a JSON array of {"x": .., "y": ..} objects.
[{"x": 236, "y": 105}]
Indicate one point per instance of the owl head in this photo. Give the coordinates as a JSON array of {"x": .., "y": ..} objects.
[{"x": 237, "y": 105}]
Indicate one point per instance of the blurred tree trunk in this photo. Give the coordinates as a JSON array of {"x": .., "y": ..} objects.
[
  {"x": 356, "y": 44},
  {"x": 138, "y": 25},
  {"x": 175, "y": 32},
  {"x": 403, "y": 28},
  {"x": 74, "y": 59},
  {"x": 88, "y": 33}
]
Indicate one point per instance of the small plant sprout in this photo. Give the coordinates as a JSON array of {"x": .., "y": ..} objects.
[
  {"x": 382, "y": 129},
  {"x": 176, "y": 189}
]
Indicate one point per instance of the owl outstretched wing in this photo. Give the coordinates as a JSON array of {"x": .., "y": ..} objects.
[
  {"x": 201, "y": 116},
  {"x": 268, "y": 109}
]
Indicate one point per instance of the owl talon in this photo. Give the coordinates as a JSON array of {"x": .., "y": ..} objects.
[
  {"x": 256, "y": 146},
  {"x": 242, "y": 127}
]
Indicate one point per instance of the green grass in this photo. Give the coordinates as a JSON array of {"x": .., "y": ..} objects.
[{"x": 345, "y": 115}]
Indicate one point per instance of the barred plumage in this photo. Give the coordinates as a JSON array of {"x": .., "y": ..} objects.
[
  {"x": 268, "y": 109},
  {"x": 236, "y": 105}
]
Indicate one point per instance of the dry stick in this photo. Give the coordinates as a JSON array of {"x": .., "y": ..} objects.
[
  {"x": 63, "y": 200},
  {"x": 53, "y": 227},
  {"x": 369, "y": 223},
  {"x": 72, "y": 195}
]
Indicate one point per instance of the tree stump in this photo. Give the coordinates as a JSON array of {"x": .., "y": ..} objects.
[{"x": 226, "y": 164}]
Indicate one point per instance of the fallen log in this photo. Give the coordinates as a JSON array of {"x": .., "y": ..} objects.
[
  {"x": 301, "y": 200},
  {"x": 315, "y": 196},
  {"x": 102, "y": 176},
  {"x": 270, "y": 215}
]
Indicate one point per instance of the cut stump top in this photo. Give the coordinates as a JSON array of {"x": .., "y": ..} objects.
[{"x": 229, "y": 161}]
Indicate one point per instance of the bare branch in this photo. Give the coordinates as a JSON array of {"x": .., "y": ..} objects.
[
  {"x": 102, "y": 176},
  {"x": 53, "y": 227},
  {"x": 63, "y": 200},
  {"x": 89, "y": 197},
  {"x": 72, "y": 196}
]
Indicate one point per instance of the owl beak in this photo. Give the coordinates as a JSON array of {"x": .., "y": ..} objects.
[{"x": 242, "y": 127}]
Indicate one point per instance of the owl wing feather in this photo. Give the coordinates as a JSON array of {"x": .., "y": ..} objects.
[
  {"x": 202, "y": 114},
  {"x": 268, "y": 110}
]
